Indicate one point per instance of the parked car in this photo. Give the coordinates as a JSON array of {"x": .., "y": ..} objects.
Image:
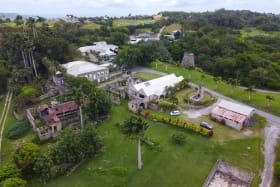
[
  {"x": 175, "y": 113},
  {"x": 206, "y": 125}
]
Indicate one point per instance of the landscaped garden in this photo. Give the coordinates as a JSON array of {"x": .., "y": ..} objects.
[
  {"x": 192, "y": 161},
  {"x": 255, "y": 99}
]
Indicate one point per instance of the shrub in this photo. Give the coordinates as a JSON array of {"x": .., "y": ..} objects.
[
  {"x": 18, "y": 130},
  {"x": 277, "y": 169},
  {"x": 167, "y": 106},
  {"x": 16, "y": 181},
  {"x": 178, "y": 138},
  {"x": 180, "y": 123}
]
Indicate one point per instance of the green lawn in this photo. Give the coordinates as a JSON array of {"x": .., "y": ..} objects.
[
  {"x": 258, "y": 99},
  {"x": 90, "y": 26},
  {"x": 9, "y": 146},
  {"x": 171, "y": 165},
  {"x": 252, "y": 32},
  {"x": 172, "y": 27},
  {"x": 127, "y": 22},
  {"x": 146, "y": 75}
]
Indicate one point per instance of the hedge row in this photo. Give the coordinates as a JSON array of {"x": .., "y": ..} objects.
[
  {"x": 18, "y": 130},
  {"x": 179, "y": 123}
]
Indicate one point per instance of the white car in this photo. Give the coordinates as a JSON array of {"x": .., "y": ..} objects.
[{"x": 175, "y": 113}]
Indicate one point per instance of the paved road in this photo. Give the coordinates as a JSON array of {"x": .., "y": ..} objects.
[
  {"x": 4, "y": 116},
  {"x": 261, "y": 90},
  {"x": 271, "y": 132},
  {"x": 160, "y": 31}
]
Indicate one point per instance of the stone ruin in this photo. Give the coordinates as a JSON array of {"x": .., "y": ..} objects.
[
  {"x": 223, "y": 174},
  {"x": 188, "y": 60},
  {"x": 199, "y": 94}
]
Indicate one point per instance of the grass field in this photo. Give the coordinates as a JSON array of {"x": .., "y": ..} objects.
[
  {"x": 252, "y": 32},
  {"x": 171, "y": 28},
  {"x": 169, "y": 165},
  {"x": 9, "y": 146},
  {"x": 90, "y": 26},
  {"x": 127, "y": 22},
  {"x": 258, "y": 99},
  {"x": 146, "y": 75}
]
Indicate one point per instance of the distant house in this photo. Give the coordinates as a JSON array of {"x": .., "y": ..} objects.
[
  {"x": 47, "y": 120},
  {"x": 86, "y": 69},
  {"x": 100, "y": 49},
  {"x": 152, "y": 89},
  {"x": 143, "y": 35},
  {"x": 233, "y": 114}
]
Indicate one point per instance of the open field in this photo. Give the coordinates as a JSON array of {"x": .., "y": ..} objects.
[
  {"x": 257, "y": 99},
  {"x": 90, "y": 26},
  {"x": 167, "y": 165},
  {"x": 252, "y": 32},
  {"x": 168, "y": 29},
  {"x": 127, "y": 22}
]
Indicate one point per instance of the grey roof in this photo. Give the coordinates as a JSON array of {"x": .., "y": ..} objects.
[{"x": 77, "y": 68}]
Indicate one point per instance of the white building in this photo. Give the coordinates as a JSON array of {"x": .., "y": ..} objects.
[
  {"x": 86, "y": 69},
  {"x": 102, "y": 49},
  {"x": 232, "y": 114},
  {"x": 153, "y": 89}
]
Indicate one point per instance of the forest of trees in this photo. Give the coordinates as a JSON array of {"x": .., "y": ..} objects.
[
  {"x": 220, "y": 49},
  {"x": 32, "y": 51}
]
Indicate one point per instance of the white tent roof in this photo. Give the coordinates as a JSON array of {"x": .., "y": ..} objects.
[
  {"x": 101, "y": 47},
  {"x": 235, "y": 107},
  {"x": 157, "y": 86},
  {"x": 77, "y": 68}
]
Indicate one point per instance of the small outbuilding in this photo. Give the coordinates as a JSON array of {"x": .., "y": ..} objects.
[{"x": 233, "y": 114}]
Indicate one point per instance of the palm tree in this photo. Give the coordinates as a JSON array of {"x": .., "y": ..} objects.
[
  {"x": 135, "y": 127},
  {"x": 250, "y": 89}
]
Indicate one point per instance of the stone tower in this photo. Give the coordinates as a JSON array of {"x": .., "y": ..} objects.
[{"x": 188, "y": 59}]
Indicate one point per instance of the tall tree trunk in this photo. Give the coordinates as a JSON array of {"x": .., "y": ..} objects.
[
  {"x": 24, "y": 58},
  {"x": 139, "y": 154},
  {"x": 34, "y": 66}
]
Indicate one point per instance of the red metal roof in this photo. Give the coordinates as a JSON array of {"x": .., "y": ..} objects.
[
  {"x": 229, "y": 114},
  {"x": 52, "y": 118}
]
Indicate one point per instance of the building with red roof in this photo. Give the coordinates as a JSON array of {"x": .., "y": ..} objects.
[{"x": 233, "y": 114}]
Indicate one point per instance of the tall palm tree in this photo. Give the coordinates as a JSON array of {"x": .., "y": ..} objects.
[
  {"x": 135, "y": 127},
  {"x": 250, "y": 89}
]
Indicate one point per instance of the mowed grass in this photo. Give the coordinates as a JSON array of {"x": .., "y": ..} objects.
[
  {"x": 146, "y": 75},
  {"x": 90, "y": 26},
  {"x": 168, "y": 165},
  {"x": 172, "y": 27},
  {"x": 8, "y": 145},
  {"x": 258, "y": 99},
  {"x": 127, "y": 22}
]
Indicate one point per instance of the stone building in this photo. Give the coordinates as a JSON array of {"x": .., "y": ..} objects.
[
  {"x": 47, "y": 120},
  {"x": 188, "y": 60}
]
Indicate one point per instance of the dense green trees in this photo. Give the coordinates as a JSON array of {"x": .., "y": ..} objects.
[
  {"x": 25, "y": 157},
  {"x": 142, "y": 54}
]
